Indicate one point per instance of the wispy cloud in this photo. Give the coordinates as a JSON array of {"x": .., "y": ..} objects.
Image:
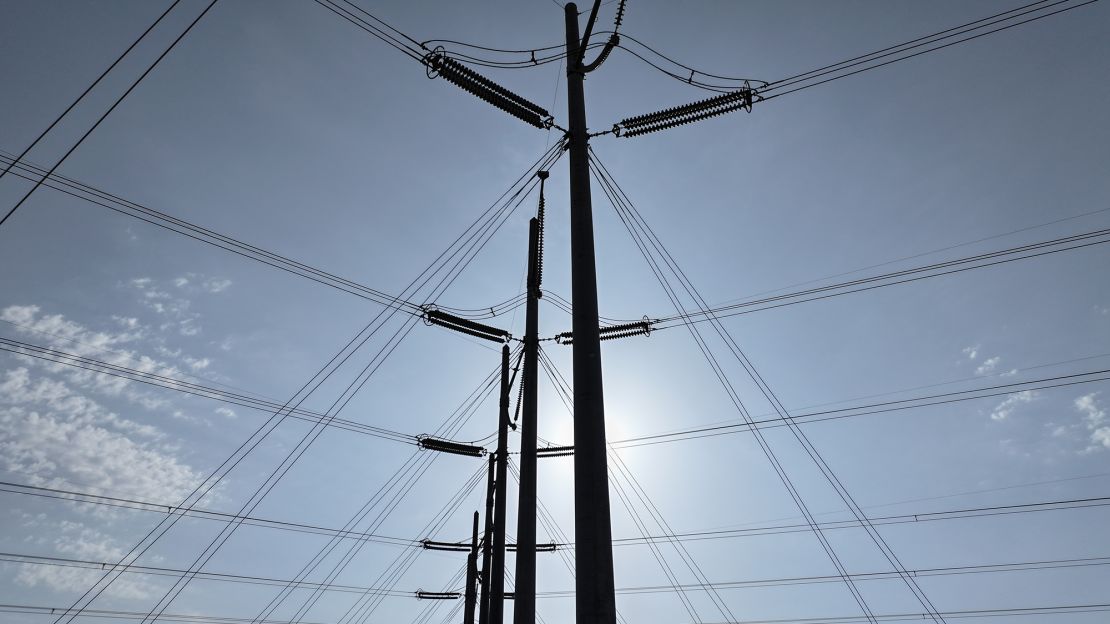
[
  {"x": 988, "y": 365},
  {"x": 1094, "y": 418},
  {"x": 1006, "y": 408},
  {"x": 74, "y": 539},
  {"x": 971, "y": 352}
]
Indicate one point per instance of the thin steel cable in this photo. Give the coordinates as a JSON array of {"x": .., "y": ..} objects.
[
  {"x": 89, "y": 88},
  {"x": 111, "y": 108}
]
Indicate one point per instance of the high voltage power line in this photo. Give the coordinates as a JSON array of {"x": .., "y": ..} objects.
[{"x": 418, "y": 301}]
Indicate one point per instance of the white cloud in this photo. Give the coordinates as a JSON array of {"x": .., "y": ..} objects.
[
  {"x": 988, "y": 365},
  {"x": 1094, "y": 417},
  {"x": 1003, "y": 410},
  {"x": 214, "y": 285},
  {"x": 971, "y": 352},
  {"x": 226, "y": 412},
  {"x": 180, "y": 281},
  {"x": 1009, "y": 373},
  {"x": 78, "y": 541}
]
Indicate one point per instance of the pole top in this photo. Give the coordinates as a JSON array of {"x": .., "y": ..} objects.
[{"x": 542, "y": 174}]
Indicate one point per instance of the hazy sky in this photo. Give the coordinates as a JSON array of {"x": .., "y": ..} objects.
[{"x": 284, "y": 126}]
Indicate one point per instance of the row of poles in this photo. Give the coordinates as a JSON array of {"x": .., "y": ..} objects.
[{"x": 594, "y": 586}]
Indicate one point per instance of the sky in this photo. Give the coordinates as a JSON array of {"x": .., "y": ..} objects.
[{"x": 284, "y": 126}]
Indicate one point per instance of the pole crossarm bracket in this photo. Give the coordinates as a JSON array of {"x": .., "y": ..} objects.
[
  {"x": 613, "y": 332},
  {"x": 433, "y": 316},
  {"x": 741, "y": 99},
  {"x": 437, "y": 63}
]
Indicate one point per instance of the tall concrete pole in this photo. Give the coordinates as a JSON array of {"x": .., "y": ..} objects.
[
  {"x": 471, "y": 594},
  {"x": 595, "y": 600},
  {"x": 487, "y": 545},
  {"x": 524, "y": 602},
  {"x": 497, "y": 562}
]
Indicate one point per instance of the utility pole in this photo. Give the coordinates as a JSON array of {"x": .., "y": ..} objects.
[
  {"x": 471, "y": 594},
  {"x": 497, "y": 561},
  {"x": 524, "y": 603},
  {"x": 595, "y": 600},
  {"x": 487, "y": 546}
]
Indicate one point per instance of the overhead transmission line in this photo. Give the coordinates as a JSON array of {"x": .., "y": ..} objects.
[
  {"x": 661, "y": 261},
  {"x": 1044, "y": 383},
  {"x": 126, "y": 207},
  {"x": 563, "y": 542},
  {"x": 183, "y": 618},
  {"x": 922, "y": 45},
  {"x": 742, "y": 95},
  {"x": 622, "y": 474},
  {"x": 479, "y": 234},
  {"x": 89, "y": 88},
  {"x": 111, "y": 108},
  {"x": 162, "y": 381},
  {"x": 937, "y": 269},
  {"x": 447, "y": 266},
  {"x": 1019, "y": 566},
  {"x": 412, "y": 470}
]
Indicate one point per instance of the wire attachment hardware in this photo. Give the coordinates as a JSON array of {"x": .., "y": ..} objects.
[
  {"x": 741, "y": 99},
  {"x": 433, "y": 316},
  {"x": 438, "y": 64}
]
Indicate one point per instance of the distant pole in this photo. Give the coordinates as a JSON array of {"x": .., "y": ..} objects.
[
  {"x": 497, "y": 562},
  {"x": 487, "y": 546},
  {"x": 471, "y": 595},
  {"x": 595, "y": 600},
  {"x": 524, "y": 603}
]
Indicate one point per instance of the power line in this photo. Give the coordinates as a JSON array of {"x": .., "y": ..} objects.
[
  {"x": 194, "y": 389},
  {"x": 1081, "y": 240},
  {"x": 98, "y": 197},
  {"x": 806, "y": 79},
  {"x": 109, "y": 111},
  {"x": 89, "y": 88},
  {"x": 1045, "y": 383},
  {"x": 460, "y": 252}
]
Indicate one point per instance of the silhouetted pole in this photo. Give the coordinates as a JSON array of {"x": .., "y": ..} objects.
[
  {"x": 487, "y": 546},
  {"x": 595, "y": 601},
  {"x": 524, "y": 603},
  {"x": 497, "y": 562},
  {"x": 471, "y": 595}
]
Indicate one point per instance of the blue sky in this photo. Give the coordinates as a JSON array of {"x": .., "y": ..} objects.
[{"x": 284, "y": 126}]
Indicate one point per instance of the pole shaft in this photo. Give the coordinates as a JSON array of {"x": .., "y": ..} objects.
[
  {"x": 487, "y": 547},
  {"x": 524, "y": 602},
  {"x": 471, "y": 595},
  {"x": 497, "y": 562},
  {"x": 595, "y": 600}
]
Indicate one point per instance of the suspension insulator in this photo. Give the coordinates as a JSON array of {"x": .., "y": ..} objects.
[
  {"x": 474, "y": 83},
  {"x": 612, "y": 332},
  {"x": 555, "y": 451},
  {"x": 426, "y": 595},
  {"x": 445, "y": 546},
  {"x": 741, "y": 99},
  {"x": 447, "y": 446},
  {"x": 466, "y": 326}
]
